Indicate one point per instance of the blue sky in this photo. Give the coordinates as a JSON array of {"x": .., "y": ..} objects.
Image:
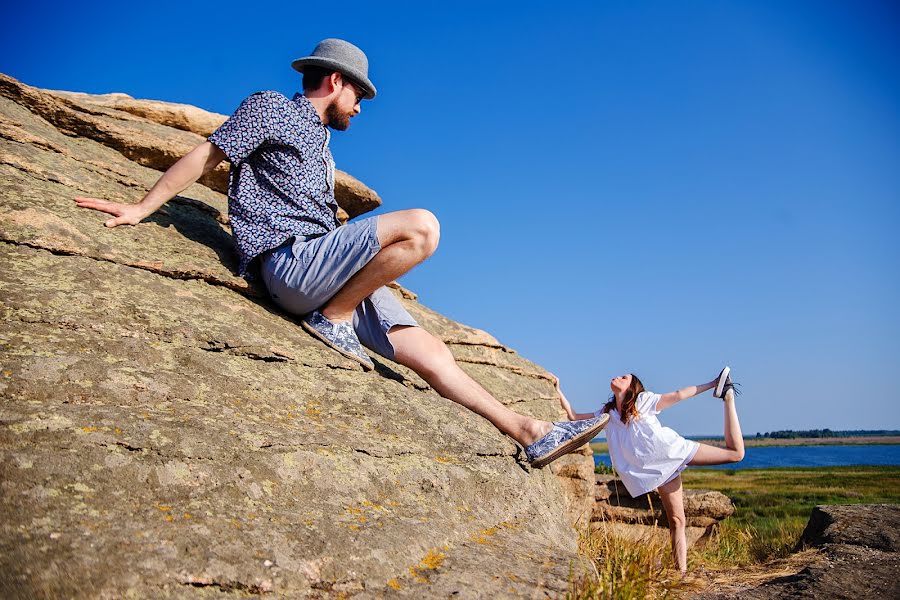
[{"x": 648, "y": 187}]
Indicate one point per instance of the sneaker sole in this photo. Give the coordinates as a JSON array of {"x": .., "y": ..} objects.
[
  {"x": 312, "y": 331},
  {"x": 720, "y": 384},
  {"x": 573, "y": 444}
]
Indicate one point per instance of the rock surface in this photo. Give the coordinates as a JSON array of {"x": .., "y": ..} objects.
[
  {"x": 636, "y": 518},
  {"x": 151, "y": 133},
  {"x": 166, "y": 432},
  {"x": 875, "y": 526},
  {"x": 857, "y": 558}
]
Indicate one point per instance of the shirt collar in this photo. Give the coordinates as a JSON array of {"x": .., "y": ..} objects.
[{"x": 306, "y": 108}]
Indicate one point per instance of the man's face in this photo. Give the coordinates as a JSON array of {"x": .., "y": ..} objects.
[{"x": 344, "y": 107}]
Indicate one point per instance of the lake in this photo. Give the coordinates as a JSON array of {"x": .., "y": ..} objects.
[{"x": 806, "y": 456}]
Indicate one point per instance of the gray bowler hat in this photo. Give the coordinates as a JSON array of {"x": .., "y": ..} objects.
[{"x": 343, "y": 57}]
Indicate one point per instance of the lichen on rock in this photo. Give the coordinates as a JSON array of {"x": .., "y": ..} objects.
[{"x": 165, "y": 431}]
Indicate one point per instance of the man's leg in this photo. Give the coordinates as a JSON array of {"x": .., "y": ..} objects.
[
  {"x": 407, "y": 238},
  {"x": 431, "y": 359}
]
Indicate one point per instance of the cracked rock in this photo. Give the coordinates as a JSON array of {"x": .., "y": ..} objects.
[{"x": 166, "y": 432}]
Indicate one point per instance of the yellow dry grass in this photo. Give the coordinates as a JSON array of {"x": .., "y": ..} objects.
[{"x": 754, "y": 545}]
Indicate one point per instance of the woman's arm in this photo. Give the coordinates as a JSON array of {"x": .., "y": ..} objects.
[
  {"x": 573, "y": 416},
  {"x": 672, "y": 398}
]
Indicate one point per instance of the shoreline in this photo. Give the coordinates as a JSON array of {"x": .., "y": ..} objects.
[
  {"x": 855, "y": 440},
  {"x": 601, "y": 447}
]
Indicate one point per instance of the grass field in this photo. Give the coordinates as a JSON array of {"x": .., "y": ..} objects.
[{"x": 772, "y": 506}]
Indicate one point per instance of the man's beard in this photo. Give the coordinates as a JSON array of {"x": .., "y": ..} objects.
[{"x": 337, "y": 119}]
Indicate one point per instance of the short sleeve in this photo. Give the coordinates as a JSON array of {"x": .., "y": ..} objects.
[
  {"x": 255, "y": 121},
  {"x": 647, "y": 403}
]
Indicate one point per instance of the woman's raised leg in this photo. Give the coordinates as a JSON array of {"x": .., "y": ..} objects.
[{"x": 734, "y": 440}]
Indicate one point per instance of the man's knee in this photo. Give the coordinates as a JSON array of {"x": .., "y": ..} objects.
[
  {"x": 425, "y": 230},
  {"x": 425, "y": 353},
  {"x": 438, "y": 354}
]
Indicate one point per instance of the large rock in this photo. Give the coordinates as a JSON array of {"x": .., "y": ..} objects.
[
  {"x": 167, "y": 432},
  {"x": 180, "y": 116},
  {"x": 636, "y": 518},
  {"x": 151, "y": 133},
  {"x": 875, "y": 526},
  {"x": 857, "y": 558}
]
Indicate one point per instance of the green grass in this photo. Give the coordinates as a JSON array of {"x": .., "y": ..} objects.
[
  {"x": 763, "y": 497},
  {"x": 600, "y": 447},
  {"x": 772, "y": 507}
]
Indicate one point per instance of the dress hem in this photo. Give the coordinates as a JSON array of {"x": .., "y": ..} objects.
[{"x": 670, "y": 476}]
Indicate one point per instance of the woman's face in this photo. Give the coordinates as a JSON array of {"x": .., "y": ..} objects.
[{"x": 620, "y": 384}]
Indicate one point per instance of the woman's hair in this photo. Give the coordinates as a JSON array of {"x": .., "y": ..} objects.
[{"x": 629, "y": 401}]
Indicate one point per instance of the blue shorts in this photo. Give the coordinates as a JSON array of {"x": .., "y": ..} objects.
[{"x": 303, "y": 274}]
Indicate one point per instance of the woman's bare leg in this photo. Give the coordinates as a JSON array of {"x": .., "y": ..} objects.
[
  {"x": 734, "y": 440},
  {"x": 673, "y": 501}
]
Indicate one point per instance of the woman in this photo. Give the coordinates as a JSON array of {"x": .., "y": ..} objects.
[{"x": 648, "y": 456}]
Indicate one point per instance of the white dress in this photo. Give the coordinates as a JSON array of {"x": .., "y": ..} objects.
[{"x": 644, "y": 453}]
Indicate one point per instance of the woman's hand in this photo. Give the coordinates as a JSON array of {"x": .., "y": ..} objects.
[
  {"x": 564, "y": 402},
  {"x": 555, "y": 381},
  {"x": 125, "y": 214}
]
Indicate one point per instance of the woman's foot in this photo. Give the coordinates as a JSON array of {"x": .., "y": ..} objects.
[
  {"x": 725, "y": 388},
  {"x": 722, "y": 380}
]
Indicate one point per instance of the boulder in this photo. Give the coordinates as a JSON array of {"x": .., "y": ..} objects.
[
  {"x": 166, "y": 432},
  {"x": 856, "y": 558},
  {"x": 179, "y": 116},
  {"x": 635, "y": 518},
  {"x": 151, "y": 133},
  {"x": 875, "y": 526}
]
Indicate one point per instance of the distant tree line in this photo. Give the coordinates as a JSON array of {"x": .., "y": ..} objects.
[{"x": 825, "y": 433}]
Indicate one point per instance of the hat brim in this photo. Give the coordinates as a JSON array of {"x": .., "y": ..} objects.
[{"x": 315, "y": 61}]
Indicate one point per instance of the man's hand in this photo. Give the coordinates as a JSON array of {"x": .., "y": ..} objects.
[
  {"x": 126, "y": 214},
  {"x": 183, "y": 173}
]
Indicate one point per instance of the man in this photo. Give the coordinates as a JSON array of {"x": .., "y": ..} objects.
[{"x": 282, "y": 212}]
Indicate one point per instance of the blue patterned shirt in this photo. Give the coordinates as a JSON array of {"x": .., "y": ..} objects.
[{"x": 281, "y": 182}]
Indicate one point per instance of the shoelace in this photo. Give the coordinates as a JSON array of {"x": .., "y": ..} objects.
[{"x": 731, "y": 386}]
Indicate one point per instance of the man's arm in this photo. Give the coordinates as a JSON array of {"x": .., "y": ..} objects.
[
  {"x": 667, "y": 400},
  {"x": 176, "y": 179}
]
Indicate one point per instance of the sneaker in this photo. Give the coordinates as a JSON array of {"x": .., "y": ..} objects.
[
  {"x": 724, "y": 384},
  {"x": 565, "y": 437},
  {"x": 722, "y": 380},
  {"x": 339, "y": 336}
]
